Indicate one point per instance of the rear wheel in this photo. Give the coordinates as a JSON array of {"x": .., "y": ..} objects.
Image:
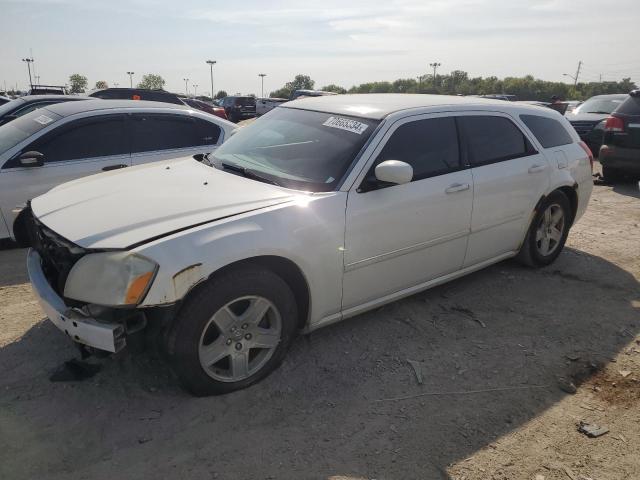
[
  {"x": 548, "y": 231},
  {"x": 233, "y": 331}
]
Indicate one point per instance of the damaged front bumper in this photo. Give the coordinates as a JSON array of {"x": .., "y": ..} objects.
[{"x": 81, "y": 328}]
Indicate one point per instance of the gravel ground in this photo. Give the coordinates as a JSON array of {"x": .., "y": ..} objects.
[{"x": 491, "y": 348}]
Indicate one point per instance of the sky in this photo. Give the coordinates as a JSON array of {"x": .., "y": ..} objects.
[{"x": 340, "y": 42}]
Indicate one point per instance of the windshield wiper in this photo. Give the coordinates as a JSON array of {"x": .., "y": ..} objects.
[
  {"x": 603, "y": 113},
  {"x": 249, "y": 173}
]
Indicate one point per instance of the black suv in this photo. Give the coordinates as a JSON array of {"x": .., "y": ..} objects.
[
  {"x": 137, "y": 94},
  {"x": 588, "y": 119},
  {"x": 238, "y": 108},
  {"x": 620, "y": 152}
]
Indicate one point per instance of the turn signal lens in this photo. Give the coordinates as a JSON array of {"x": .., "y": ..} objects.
[{"x": 137, "y": 288}]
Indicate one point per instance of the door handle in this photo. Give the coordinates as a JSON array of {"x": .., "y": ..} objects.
[
  {"x": 114, "y": 167},
  {"x": 537, "y": 168},
  {"x": 457, "y": 187}
]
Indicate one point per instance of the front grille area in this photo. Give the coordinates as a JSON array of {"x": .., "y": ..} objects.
[
  {"x": 584, "y": 128},
  {"x": 58, "y": 254}
]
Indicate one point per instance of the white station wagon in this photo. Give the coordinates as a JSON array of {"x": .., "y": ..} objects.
[{"x": 320, "y": 210}]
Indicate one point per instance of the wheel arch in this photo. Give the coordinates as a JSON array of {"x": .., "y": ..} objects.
[
  {"x": 286, "y": 269},
  {"x": 19, "y": 229}
]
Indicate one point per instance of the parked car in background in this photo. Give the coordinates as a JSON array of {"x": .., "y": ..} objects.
[
  {"x": 572, "y": 105},
  {"x": 263, "y": 105},
  {"x": 4, "y": 100},
  {"x": 23, "y": 105},
  {"x": 205, "y": 107},
  {"x": 321, "y": 210},
  {"x": 157, "y": 96},
  {"x": 239, "y": 108},
  {"x": 588, "y": 119},
  {"x": 309, "y": 93},
  {"x": 65, "y": 141},
  {"x": 47, "y": 90},
  {"x": 620, "y": 152}
]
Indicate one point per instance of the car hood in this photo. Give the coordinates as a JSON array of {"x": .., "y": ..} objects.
[
  {"x": 586, "y": 117},
  {"x": 127, "y": 207}
]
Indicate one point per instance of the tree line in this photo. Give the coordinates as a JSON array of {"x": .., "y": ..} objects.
[{"x": 458, "y": 82}]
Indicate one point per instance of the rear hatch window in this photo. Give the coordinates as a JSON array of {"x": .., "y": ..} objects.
[
  {"x": 245, "y": 101},
  {"x": 631, "y": 106}
]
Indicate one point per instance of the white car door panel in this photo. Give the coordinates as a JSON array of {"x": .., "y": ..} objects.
[
  {"x": 403, "y": 235},
  {"x": 70, "y": 152},
  {"x": 505, "y": 190}
]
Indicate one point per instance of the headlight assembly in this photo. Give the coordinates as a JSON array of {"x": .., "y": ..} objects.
[{"x": 119, "y": 279}]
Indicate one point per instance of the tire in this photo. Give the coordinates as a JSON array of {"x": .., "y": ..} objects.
[
  {"x": 611, "y": 175},
  {"x": 542, "y": 245},
  {"x": 221, "y": 341}
]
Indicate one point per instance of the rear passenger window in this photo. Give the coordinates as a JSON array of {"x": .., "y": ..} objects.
[
  {"x": 429, "y": 146},
  {"x": 549, "y": 132},
  {"x": 166, "y": 132},
  {"x": 491, "y": 139}
]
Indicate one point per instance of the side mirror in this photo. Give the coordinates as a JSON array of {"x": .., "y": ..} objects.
[
  {"x": 394, "y": 171},
  {"x": 31, "y": 159}
]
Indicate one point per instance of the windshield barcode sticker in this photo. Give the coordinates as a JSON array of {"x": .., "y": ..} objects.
[
  {"x": 43, "y": 119},
  {"x": 346, "y": 124}
]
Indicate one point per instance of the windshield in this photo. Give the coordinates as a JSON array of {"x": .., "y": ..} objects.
[
  {"x": 600, "y": 105},
  {"x": 22, "y": 128},
  {"x": 300, "y": 149}
]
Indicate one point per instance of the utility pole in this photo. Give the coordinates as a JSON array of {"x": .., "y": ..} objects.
[
  {"x": 37, "y": 77},
  {"x": 211, "y": 64},
  {"x": 130, "y": 78},
  {"x": 262, "y": 75},
  {"x": 195, "y": 89},
  {"x": 435, "y": 66},
  {"x": 29, "y": 62},
  {"x": 575, "y": 83},
  {"x": 186, "y": 86},
  {"x": 419, "y": 77}
]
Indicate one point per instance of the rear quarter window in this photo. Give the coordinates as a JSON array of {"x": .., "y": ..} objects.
[
  {"x": 631, "y": 106},
  {"x": 549, "y": 132}
]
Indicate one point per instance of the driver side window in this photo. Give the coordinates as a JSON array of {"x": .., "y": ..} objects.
[{"x": 430, "y": 146}]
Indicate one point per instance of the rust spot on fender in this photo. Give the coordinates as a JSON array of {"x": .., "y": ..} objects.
[{"x": 185, "y": 279}]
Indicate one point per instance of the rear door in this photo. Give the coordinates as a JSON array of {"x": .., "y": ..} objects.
[
  {"x": 75, "y": 149},
  {"x": 161, "y": 136},
  {"x": 509, "y": 177}
]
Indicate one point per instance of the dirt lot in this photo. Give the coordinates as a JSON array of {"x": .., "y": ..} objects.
[{"x": 490, "y": 347}]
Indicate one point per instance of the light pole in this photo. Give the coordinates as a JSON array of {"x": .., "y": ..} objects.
[
  {"x": 186, "y": 86},
  {"x": 435, "y": 65},
  {"x": 37, "y": 77},
  {"x": 195, "y": 89},
  {"x": 262, "y": 75},
  {"x": 130, "y": 78},
  {"x": 29, "y": 62},
  {"x": 211, "y": 64}
]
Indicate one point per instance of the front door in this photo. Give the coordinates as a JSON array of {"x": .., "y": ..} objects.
[
  {"x": 77, "y": 149},
  {"x": 399, "y": 236}
]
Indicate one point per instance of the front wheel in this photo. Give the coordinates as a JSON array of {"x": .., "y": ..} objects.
[
  {"x": 233, "y": 331},
  {"x": 548, "y": 231}
]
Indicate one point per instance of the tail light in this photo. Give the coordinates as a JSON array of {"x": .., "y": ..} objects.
[
  {"x": 588, "y": 151},
  {"x": 614, "y": 124}
]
